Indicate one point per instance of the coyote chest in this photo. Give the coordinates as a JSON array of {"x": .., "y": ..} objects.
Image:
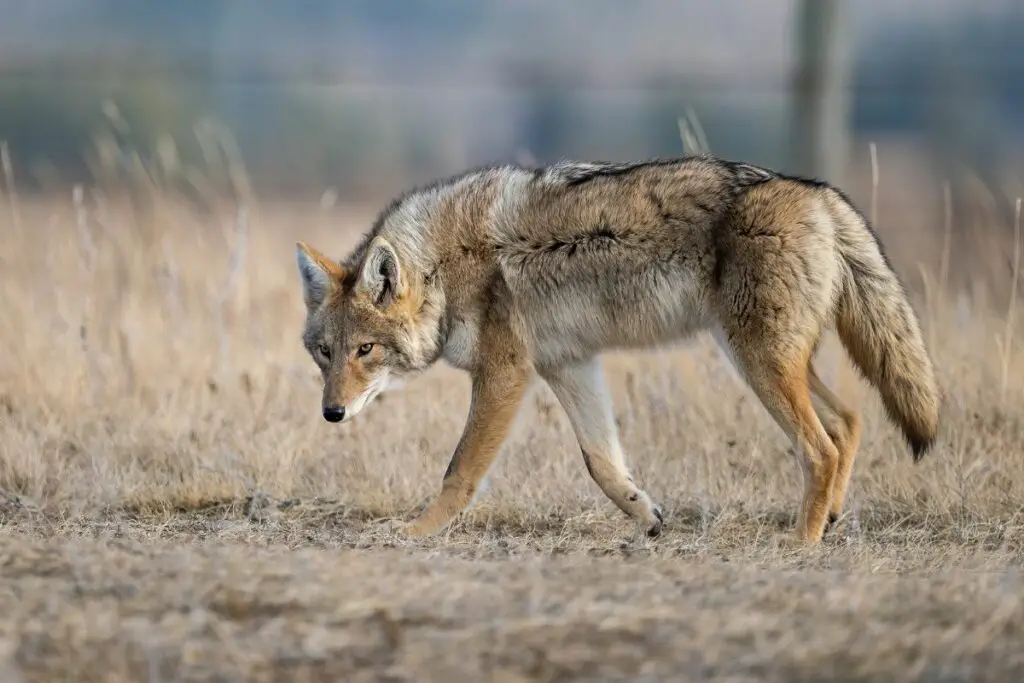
[{"x": 460, "y": 348}]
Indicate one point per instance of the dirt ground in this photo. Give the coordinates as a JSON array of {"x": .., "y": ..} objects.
[
  {"x": 173, "y": 507},
  {"x": 289, "y": 590},
  {"x": 219, "y": 599}
]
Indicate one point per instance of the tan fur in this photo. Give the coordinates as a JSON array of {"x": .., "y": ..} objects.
[{"x": 515, "y": 274}]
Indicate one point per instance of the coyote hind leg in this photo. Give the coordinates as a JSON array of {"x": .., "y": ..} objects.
[
  {"x": 783, "y": 387},
  {"x": 843, "y": 426}
]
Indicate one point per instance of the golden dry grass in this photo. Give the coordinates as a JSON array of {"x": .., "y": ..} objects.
[{"x": 173, "y": 507}]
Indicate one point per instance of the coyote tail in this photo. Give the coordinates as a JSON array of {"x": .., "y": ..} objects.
[{"x": 880, "y": 331}]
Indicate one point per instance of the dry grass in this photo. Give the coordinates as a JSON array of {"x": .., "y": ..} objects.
[{"x": 173, "y": 507}]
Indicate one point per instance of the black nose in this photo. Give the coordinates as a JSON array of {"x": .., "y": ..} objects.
[{"x": 334, "y": 414}]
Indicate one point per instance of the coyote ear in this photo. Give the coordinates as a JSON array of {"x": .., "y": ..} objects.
[
  {"x": 320, "y": 275},
  {"x": 381, "y": 274}
]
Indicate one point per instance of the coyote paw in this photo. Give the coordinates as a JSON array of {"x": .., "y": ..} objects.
[
  {"x": 426, "y": 524},
  {"x": 417, "y": 529},
  {"x": 795, "y": 541},
  {"x": 654, "y": 529}
]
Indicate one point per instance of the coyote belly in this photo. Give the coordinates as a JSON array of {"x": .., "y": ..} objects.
[{"x": 516, "y": 274}]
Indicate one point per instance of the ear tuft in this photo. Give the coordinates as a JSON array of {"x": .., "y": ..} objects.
[
  {"x": 320, "y": 275},
  {"x": 381, "y": 274}
]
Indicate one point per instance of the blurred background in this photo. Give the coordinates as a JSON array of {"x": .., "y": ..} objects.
[{"x": 359, "y": 99}]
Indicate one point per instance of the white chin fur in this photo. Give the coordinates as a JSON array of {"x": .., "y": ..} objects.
[{"x": 372, "y": 389}]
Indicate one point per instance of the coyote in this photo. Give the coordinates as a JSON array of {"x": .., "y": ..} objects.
[{"x": 513, "y": 274}]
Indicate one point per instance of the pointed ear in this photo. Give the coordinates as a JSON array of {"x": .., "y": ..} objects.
[
  {"x": 381, "y": 274},
  {"x": 320, "y": 275}
]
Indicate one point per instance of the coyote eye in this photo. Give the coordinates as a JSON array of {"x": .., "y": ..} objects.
[
  {"x": 364, "y": 349},
  {"x": 325, "y": 351}
]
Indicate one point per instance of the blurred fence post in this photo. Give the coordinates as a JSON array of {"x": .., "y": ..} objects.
[{"x": 819, "y": 135}]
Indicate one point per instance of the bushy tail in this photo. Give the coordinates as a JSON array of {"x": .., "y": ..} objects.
[{"x": 881, "y": 333}]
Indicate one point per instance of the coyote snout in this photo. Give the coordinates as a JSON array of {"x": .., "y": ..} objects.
[{"x": 346, "y": 396}]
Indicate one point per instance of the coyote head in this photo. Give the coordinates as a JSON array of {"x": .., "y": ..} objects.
[{"x": 366, "y": 326}]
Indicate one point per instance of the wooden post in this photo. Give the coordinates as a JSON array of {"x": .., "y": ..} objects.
[{"x": 819, "y": 141}]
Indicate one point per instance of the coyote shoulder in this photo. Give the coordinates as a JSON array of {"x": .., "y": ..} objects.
[{"x": 514, "y": 274}]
